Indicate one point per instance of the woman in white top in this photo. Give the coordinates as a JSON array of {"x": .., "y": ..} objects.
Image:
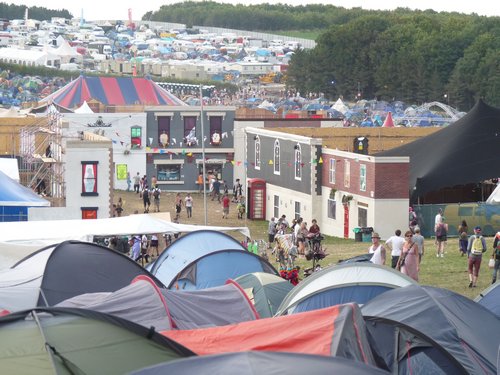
[{"x": 377, "y": 249}]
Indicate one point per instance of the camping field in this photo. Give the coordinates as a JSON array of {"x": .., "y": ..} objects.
[{"x": 449, "y": 272}]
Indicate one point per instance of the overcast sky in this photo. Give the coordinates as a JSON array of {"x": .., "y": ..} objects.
[{"x": 117, "y": 9}]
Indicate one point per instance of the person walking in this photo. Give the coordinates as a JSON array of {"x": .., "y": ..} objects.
[
  {"x": 188, "y": 203},
  {"x": 137, "y": 183},
  {"x": 237, "y": 190},
  {"x": 377, "y": 249},
  {"x": 156, "y": 192},
  {"x": 271, "y": 233},
  {"x": 496, "y": 257},
  {"x": 420, "y": 241},
  {"x": 225, "y": 206},
  {"x": 146, "y": 199},
  {"x": 441, "y": 237},
  {"x": 178, "y": 206},
  {"x": 395, "y": 243},
  {"x": 129, "y": 181},
  {"x": 408, "y": 262},
  {"x": 475, "y": 248},
  {"x": 216, "y": 189},
  {"x": 462, "y": 238},
  {"x": 119, "y": 207}
]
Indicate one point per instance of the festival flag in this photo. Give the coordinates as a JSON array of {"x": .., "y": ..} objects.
[
  {"x": 270, "y": 162},
  {"x": 320, "y": 160}
]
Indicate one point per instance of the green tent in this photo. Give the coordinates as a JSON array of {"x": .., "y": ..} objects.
[
  {"x": 265, "y": 290},
  {"x": 77, "y": 341}
]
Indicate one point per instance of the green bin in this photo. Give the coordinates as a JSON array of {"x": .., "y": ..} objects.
[{"x": 358, "y": 235}]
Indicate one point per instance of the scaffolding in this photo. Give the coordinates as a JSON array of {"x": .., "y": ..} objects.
[{"x": 41, "y": 165}]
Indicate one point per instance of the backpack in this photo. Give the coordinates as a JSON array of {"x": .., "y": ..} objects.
[
  {"x": 156, "y": 193},
  {"x": 477, "y": 245}
]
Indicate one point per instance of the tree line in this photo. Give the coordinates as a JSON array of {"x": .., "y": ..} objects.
[
  {"x": 413, "y": 56},
  {"x": 16, "y": 12}
]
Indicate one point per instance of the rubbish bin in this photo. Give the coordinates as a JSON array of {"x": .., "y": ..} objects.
[
  {"x": 358, "y": 235},
  {"x": 366, "y": 234}
]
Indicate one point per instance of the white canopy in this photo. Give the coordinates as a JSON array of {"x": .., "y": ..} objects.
[
  {"x": 340, "y": 106},
  {"x": 52, "y": 231},
  {"x": 494, "y": 198},
  {"x": 84, "y": 108}
]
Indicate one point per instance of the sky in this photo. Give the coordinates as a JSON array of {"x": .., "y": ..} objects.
[{"x": 114, "y": 10}]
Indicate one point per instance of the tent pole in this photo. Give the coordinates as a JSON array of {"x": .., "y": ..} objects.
[
  {"x": 45, "y": 343},
  {"x": 203, "y": 158}
]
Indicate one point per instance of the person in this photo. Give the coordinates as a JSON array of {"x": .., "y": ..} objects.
[
  {"x": 156, "y": 192},
  {"x": 408, "y": 261},
  {"x": 281, "y": 225},
  {"x": 225, "y": 188},
  {"x": 412, "y": 220},
  {"x": 314, "y": 228},
  {"x": 154, "y": 182},
  {"x": 271, "y": 233},
  {"x": 237, "y": 190},
  {"x": 462, "y": 238},
  {"x": 441, "y": 237},
  {"x": 241, "y": 207},
  {"x": 135, "y": 244},
  {"x": 301, "y": 238},
  {"x": 137, "y": 183},
  {"x": 395, "y": 243},
  {"x": 296, "y": 230},
  {"x": 225, "y": 206},
  {"x": 143, "y": 182},
  {"x": 153, "y": 245},
  {"x": 419, "y": 240},
  {"x": 129, "y": 181},
  {"x": 496, "y": 257},
  {"x": 475, "y": 248},
  {"x": 188, "y": 203},
  {"x": 145, "y": 199},
  {"x": 178, "y": 206},
  {"x": 144, "y": 248},
  {"x": 119, "y": 207},
  {"x": 377, "y": 249},
  {"x": 438, "y": 219},
  {"x": 199, "y": 182},
  {"x": 216, "y": 189}
]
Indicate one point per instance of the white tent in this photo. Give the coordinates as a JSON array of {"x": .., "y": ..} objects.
[
  {"x": 340, "y": 106},
  {"x": 494, "y": 197},
  {"x": 10, "y": 168},
  {"x": 84, "y": 108},
  {"x": 51, "y": 231}
]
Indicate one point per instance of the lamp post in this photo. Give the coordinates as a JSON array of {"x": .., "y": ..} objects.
[{"x": 203, "y": 157}]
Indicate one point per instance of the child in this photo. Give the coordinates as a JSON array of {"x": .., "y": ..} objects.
[{"x": 241, "y": 208}]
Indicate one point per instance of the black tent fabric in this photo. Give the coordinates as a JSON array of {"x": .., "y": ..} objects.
[
  {"x": 459, "y": 154},
  {"x": 468, "y": 331},
  {"x": 258, "y": 363},
  {"x": 76, "y": 267}
]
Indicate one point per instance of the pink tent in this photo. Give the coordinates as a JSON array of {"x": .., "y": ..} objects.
[{"x": 388, "y": 123}]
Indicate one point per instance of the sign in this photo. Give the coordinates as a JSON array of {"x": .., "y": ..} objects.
[{"x": 121, "y": 171}]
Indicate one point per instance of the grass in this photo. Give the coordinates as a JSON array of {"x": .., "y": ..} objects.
[{"x": 448, "y": 272}]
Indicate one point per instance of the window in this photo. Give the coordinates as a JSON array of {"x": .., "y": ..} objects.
[
  {"x": 89, "y": 213},
  {"x": 297, "y": 210},
  {"x": 89, "y": 178},
  {"x": 257, "y": 152},
  {"x": 163, "y": 131},
  {"x": 190, "y": 130},
  {"x": 347, "y": 174},
  {"x": 135, "y": 137},
  {"x": 215, "y": 130},
  {"x": 362, "y": 217},
  {"x": 298, "y": 162},
  {"x": 276, "y": 206},
  {"x": 332, "y": 209},
  {"x": 277, "y": 157},
  {"x": 362, "y": 177},
  {"x": 331, "y": 171},
  {"x": 168, "y": 172}
]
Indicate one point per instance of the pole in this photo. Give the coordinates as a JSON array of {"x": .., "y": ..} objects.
[{"x": 203, "y": 157}]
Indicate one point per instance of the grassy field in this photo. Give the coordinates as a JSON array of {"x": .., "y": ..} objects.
[{"x": 449, "y": 272}]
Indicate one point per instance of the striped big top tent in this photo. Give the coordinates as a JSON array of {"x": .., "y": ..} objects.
[{"x": 112, "y": 91}]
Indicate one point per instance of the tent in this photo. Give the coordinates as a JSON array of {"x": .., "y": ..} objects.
[
  {"x": 265, "y": 290},
  {"x": 84, "y": 108},
  {"x": 15, "y": 199},
  {"x": 51, "y": 231},
  {"x": 258, "y": 363},
  {"x": 471, "y": 140},
  {"x": 351, "y": 282},
  {"x": 144, "y": 303},
  {"x": 337, "y": 331},
  {"x": 205, "y": 259},
  {"x": 9, "y": 166},
  {"x": 490, "y": 298},
  {"x": 340, "y": 106},
  {"x": 62, "y": 271},
  {"x": 468, "y": 331},
  {"x": 75, "y": 341},
  {"x": 388, "y": 123},
  {"x": 112, "y": 91}
]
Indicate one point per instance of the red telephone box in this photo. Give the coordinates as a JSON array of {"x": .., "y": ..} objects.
[{"x": 256, "y": 198}]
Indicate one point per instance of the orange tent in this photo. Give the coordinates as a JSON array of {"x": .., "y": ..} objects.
[{"x": 334, "y": 331}]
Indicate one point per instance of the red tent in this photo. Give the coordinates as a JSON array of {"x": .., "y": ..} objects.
[
  {"x": 388, "y": 123},
  {"x": 334, "y": 331}
]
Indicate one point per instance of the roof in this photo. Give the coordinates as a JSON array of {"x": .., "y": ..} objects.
[
  {"x": 458, "y": 154},
  {"x": 13, "y": 193},
  {"x": 113, "y": 91},
  {"x": 350, "y": 282}
]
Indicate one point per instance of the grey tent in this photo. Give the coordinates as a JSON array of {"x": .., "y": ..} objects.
[
  {"x": 469, "y": 332},
  {"x": 265, "y": 290},
  {"x": 490, "y": 298},
  {"x": 58, "y": 272},
  {"x": 472, "y": 140},
  {"x": 75, "y": 341},
  {"x": 144, "y": 303},
  {"x": 258, "y": 363}
]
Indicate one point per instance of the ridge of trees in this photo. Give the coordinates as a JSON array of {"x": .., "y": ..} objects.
[
  {"x": 413, "y": 56},
  {"x": 16, "y": 12}
]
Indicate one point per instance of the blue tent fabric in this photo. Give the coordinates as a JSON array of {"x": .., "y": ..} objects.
[
  {"x": 15, "y": 199},
  {"x": 490, "y": 298},
  {"x": 190, "y": 262}
]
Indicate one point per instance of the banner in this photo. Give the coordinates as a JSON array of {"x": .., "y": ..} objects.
[{"x": 121, "y": 171}]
